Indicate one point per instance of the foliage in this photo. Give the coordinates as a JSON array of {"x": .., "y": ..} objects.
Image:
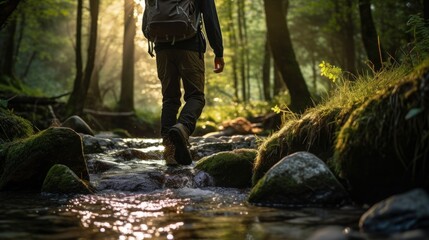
[
  {"x": 420, "y": 46},
  {"x": 330, "y": 71}
]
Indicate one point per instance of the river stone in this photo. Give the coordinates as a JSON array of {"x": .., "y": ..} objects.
[
  {"x": 60, "y": 179},
  {"x": 96, "y": 145},
  {"x": 25, "y": 163},
  {"x": 230, "y": 169},
  {"x": 13, "y": 127},
  {"x": 298, "y": 179},
  {"x": 78, "y": 124},
  {"x": 398, "y": 213}
]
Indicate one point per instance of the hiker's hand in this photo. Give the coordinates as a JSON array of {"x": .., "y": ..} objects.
[{"x": 218, "y": 64}]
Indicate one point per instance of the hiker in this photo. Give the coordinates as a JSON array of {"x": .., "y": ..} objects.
[{"x": 183, "y": 59}]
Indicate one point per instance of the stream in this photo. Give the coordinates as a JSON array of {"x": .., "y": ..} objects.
[{"x": 138, "y": 197}]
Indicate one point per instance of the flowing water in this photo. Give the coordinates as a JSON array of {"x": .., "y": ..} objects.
[{"x": 143, "y": 199}]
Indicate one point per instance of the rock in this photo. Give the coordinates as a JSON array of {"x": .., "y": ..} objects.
[
  {"x": 13, "y": 127},
  {"x": 96, "y": 144},
  {"x": 398, "y": 213},
  {"x": 25, "y": 163},
  {"x": 229, "y": 169},
  {"x": 298, "y": 179},
  {"x": 329, "y": 233},
  {"x": 78, "y": 124},
  {"x": 382, "y": 149},
  {"x": 60, "y": 179},
  {"x": 129, "y": 154}
]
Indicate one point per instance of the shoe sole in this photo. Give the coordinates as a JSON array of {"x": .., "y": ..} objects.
[{"x": 182, "y": 154}]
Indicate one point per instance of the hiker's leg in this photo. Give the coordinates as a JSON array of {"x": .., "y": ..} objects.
[
  {"x": 191, "y": 69},
  {"x": 168, "y": 74}
]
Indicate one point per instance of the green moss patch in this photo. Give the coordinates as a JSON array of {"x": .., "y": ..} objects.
[
  {"x": 383, "y": 147},
  {"x": 229, "y": 169},
  {"x": 316, "y": 130},
  {"x": 60, "y": 179},
  {"x": 13, "y": 127},
  {"x": 26, "y": 161}
]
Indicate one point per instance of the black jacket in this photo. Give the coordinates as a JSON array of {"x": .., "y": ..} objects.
[{"x": 198, "y": 43}]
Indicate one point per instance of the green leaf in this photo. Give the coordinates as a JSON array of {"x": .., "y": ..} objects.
[{"x": 413, "y": 112}]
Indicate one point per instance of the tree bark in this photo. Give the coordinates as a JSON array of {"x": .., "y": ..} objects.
[
  {"x": 126, "y": 99},
  {"x": 284, "y": 55},
  {"x": 77, "y": 99},
  {"x": 266, "y": 70},
  {"x": 77, "y": 86},
  {"x": 347, "y": 35},
  {"x": 6, "y": 9},
  {"x": 370, "y": 39},
  {"x": 426, "y": 11}
]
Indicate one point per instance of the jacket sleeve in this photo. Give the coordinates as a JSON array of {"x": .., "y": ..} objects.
[{"x": 212, "y": 26}]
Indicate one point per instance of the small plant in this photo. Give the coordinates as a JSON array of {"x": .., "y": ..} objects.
[{"x": 330, "y": 71}]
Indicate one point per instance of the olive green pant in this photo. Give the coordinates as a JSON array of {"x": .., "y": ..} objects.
[{"x": 174, "y": 65}]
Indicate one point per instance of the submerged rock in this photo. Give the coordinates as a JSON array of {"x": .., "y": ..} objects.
[
  {"x": 26, "y": 162},
  {"x": 398, "y": 213},
  {"x": 60, "y": 179},
  {"x": 230, "y": 169},
  {"x": 298, "y": 179}
]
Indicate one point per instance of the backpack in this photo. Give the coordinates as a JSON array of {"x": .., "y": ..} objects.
[{"x": 170, "y": 20}]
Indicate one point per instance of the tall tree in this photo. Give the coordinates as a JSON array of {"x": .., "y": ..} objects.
[
  {"x": 266, "y": 70},
  {"x": 370, "y": 37},
  {"x": 77, "y": 99},
  {"x": 126, "y": 99},
  {"x": 7, "y": 7},
  {"x": 426, "y": 11},
  {"x": 284, "y": 55},
  {"x": 346, "y": 34}
]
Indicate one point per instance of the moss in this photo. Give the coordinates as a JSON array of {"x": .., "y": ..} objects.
[
  {"x": 60, "y": 179},
  {"x": 13, "y": 127},
  {"x": 382, "y": 148},
  {"x": 229, "y": 169},
  {"x": 316, "y": 130},
  {"x": 26, "y": 161}
]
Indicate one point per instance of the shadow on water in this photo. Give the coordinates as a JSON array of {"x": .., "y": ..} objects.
[{"x": 142, "y": 199}]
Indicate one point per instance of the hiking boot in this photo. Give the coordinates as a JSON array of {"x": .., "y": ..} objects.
[
  {"x": 179, "y": 136},
  {"x": 169, "y": 151}
]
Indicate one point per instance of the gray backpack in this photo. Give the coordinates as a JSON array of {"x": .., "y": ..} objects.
[{"x": 170, "y": 20}]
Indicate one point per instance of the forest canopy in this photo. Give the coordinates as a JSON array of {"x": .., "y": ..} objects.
[{"x": 273, "y": 50}]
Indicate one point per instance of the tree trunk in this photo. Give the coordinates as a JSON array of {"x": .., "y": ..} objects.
[
  {"x": 370, "y": 40},
  {"x": 284, "y": 56},
  {"x": 77, "y": 86},
  {"x": 6, "y": 9},
  {"x": 266, "y": 70},
  {"x": 347, "y": 35},
  {"x": 126, "y": 99},
  {"x": 77, "y": 100},
  {"x": 233, "y": 43},
  {"x": 426, "y": 11},
  {"x": 242, "y": 55}
]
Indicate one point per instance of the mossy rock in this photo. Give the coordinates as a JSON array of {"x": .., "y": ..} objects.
[
  {"x": 60, "y": 179},
  {"x": 383, "y": 147},
  {"x": 229, "y": 169},
  {"x": 314, "y": 132},
  {"x": 13, "y": 127},
  {"x": 25, "y": 162},
  {"x": 78, "y": 124},
  {"x": 300, "y": 179}
]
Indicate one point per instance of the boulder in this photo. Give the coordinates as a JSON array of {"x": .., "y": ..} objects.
[
  {"x": 25, "y": 162},
  {"x": 60, "y": 179},
  {"x": 382, "y": 149},
  {"x": 13, "y": 127},
  {"x": 398, "y": 213},
  {"x": 78, "y": 124},
  {"x": 229, "y": 169},
  {"x": 300, "y": 179}
]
